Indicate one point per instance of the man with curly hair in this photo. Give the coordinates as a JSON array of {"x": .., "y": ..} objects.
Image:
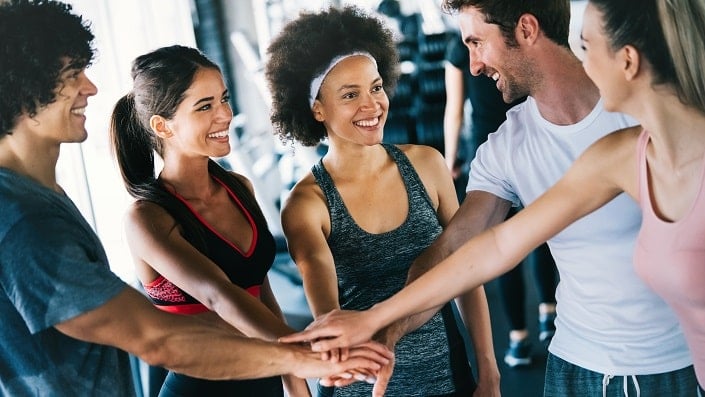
[{"x": 68, "y": 320}]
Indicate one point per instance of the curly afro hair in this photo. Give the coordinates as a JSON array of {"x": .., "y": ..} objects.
[
  {"x": 36, "y": 39},
  {"x": 305, "y": 48}
]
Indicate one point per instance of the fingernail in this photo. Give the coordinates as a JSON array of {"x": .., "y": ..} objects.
[
  {"x": 345, "y": 375},
  {"x": 361, "y": 377},
  {"x": 371, "y": 380}
]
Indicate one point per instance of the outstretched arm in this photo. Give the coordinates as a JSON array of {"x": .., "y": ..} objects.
[
  {"x": 595, "y": 179},
  {"x": 479, "y": 211},
  {"x": 190, "y": 346}
]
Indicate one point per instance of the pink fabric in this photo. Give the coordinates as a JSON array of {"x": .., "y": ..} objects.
[{"x": 670, "y": 257}]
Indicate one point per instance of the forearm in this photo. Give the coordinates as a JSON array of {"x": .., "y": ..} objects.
[
  {"x": 185, "y": 344},
  {"x": 403, "y": 326},
  {"x": 452, "y": 277},
  {"x": 451, "y": 137},
  {"x": 474, "y": 310},
  {"x": 466, "y": 223},
  {"x": 453, "y": 112},
  {"x": 211, "y": 353},
  {"x": 251, "y": 316},
  {"x": 479, "y": 211}
]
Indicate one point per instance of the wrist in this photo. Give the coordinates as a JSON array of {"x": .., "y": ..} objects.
[
  {"x": 389, "y": 336},
  {"x": 377, "y": 316},
  {"x": 487, "y": 369}
]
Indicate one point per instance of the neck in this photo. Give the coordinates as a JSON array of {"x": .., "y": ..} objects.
[
  {"x": 675, "y": 129},
  {"x": 352, "y": 161},
  {"x": 188, "y": 176},
  {"x": 36, "y": 161},
  {"x": 565, "y": 94}
]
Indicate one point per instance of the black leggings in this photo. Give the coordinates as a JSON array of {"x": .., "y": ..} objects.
[
  {"x": 513, "y": 290},
  {"x": 177, "y": 385}
]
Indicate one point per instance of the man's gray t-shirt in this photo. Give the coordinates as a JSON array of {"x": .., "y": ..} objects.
[{"x": 52, "y": 268}]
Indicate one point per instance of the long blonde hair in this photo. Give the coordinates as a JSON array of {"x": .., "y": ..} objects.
[{"x": 683, "y": 25}]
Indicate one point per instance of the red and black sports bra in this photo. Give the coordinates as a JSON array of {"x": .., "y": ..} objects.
[{"x": 245, "y": 269}]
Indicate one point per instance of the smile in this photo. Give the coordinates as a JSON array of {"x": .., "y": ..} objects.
[
  {"x": 220, "y": 134},
  {"x": 367, "y": 123},
  {"x": 79, "y": 111}
]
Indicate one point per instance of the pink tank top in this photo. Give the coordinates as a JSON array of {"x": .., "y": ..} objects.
[{"x": 670, "y": 257}]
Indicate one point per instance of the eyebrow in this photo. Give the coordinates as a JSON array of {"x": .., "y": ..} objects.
[
  {"x": 470, "y": 38},
  {"x": 208, "y": 99},
  {"x": 348, "y": 86}
]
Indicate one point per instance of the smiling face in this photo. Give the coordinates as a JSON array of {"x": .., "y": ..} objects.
[
  {"x": 601, "y": 63},
  {"x": 352, "y": 103},
  {"x": 63, "y": 120},
  {"x": 202, "y": 120},
  {"x": 490, "y": 55}
]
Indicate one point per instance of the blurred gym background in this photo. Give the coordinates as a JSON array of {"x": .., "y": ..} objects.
[{"x": 235, "y": 34}]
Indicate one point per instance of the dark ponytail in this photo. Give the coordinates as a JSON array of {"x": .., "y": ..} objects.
[{"x": 133, "y": 148}]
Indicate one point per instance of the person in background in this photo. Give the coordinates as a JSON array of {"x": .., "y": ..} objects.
[
  {"x": 358, "y": 219},
  {"x": 487, "y": 112},
  {"x": 68, "y": 321},
  {"x": 614, "y": 334},
  {"x": 199, "y": 240}
]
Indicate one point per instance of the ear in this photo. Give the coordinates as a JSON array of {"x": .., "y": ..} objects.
[
  {"x": 527, "y": 29},
  {"x": 317, "y": 111},
  {"x": 632, "y": 61},
  {"x": 160, "y": 127}
]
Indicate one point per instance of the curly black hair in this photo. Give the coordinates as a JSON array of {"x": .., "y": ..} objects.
[
  {"x": 304, "y": 48},
  {"x": 36, "y": 39}
]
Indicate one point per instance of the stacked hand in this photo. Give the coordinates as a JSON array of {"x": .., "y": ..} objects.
[
  {"x": 336, "y": 336},
  {"x": 366, "y": 358},
  {"x": 335, "y": 330}
]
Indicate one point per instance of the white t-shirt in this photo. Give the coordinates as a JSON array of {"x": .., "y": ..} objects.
[{"x": 608, "y": 320}]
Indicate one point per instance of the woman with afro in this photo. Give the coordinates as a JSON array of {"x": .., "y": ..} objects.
[{"x": 367, "y": 209}]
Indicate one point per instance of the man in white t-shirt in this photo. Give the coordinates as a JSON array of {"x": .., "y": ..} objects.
[{"x": 613, "y": 334}]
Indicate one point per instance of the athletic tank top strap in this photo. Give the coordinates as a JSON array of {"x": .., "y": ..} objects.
[
  {"x": 408, "y": 174},
  {"x": 420, "y": 203},
  {"x": 642, "y": 181}
]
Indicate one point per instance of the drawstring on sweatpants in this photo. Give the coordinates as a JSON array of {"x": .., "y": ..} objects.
[{"x": 606, "y": 381}]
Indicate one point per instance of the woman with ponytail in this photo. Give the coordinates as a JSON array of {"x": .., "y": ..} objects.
[{"x": 199, "y": 240}]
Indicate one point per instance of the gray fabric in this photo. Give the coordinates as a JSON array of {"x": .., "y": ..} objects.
[
  {"x": 52, "y": 268},
  {"x": 372, "y": 267}
]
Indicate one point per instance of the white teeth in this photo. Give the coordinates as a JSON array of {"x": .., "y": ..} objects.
[
  {"x": 78, "y": 111},
  {"x": 368, "y": 123},
  {"x": 495, "y": 76},
  {"x": 221, "y": 134}
]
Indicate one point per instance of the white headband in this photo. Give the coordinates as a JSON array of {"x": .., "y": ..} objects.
[{"x": 318, "y": 79}]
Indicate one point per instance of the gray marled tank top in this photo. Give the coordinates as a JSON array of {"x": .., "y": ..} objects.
[{"x": 372, "y": 267}]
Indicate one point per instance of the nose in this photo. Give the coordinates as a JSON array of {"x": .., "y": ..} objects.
[
  {"x": 368, "y": 101},
  {"x": 87, "y": 86},
  {"x": 476, "y": 65},
  {"x": 225, "y": 112}
]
